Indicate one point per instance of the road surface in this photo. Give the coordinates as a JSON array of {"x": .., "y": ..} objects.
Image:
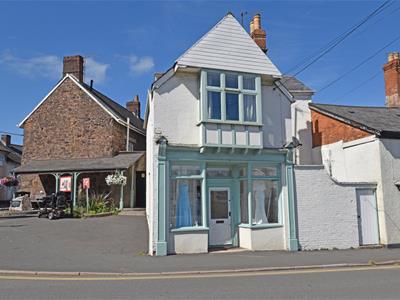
[{"x": 340, "y": 283}]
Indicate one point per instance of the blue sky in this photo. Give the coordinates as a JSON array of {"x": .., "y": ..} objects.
[{"x": 125, "y": 42}]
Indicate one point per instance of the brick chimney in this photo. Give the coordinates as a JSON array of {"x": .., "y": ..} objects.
[
  {"x": 73, "y": 65},
  {"x": 391, "y": 72},
  {"x": 6, "y": 139},
  {"x": 257, "y": 33},
  {"x": 134, "y": 106}
]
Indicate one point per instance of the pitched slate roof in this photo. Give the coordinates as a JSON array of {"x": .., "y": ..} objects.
[
  {"x": 118, "y": 109},
  {"x": 227, "y": 46},
  {"x": 382, "y": 121},
  {"x": 293, "y": 84},
  {"x": 12, "y": 153},
  {"x": 121, "y": 161}
]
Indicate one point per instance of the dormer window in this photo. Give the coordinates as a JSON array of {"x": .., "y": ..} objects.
[{"x": 229, "y": 97}]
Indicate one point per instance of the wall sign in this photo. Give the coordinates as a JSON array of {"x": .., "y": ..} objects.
[
  {"x": 86, "y": 183},
  {"x": 65, "y": 183}
]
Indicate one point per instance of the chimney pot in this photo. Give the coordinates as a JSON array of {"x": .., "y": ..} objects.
[
  {"x": 257, "y": 33},
  {"x": 391, "y": 72},
  {"x": 73, "y": 65},
  {"x": 6, "y": 139},
  {"x": 134, "y": 106},
  {"x": 251, "y": 27},
  {"x": 257, "y": 21}
]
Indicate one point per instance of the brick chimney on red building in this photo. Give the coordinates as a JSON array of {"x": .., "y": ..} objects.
[
  {"x": 73, "y": 65},
  {"x": 257, "y": 33},
  {"x": 392, "y": 79},
  {"x": 134, "y": 106}
]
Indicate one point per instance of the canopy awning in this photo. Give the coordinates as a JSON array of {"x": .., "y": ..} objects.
[{"x": 121, "y": 161}]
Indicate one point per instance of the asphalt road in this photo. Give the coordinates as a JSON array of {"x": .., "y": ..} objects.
[{"x": 372, "y": 283}]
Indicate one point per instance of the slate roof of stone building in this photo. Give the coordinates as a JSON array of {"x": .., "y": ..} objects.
[
  {"x": 13, "y": 152},
  {"x": 121, "y": 161},
  {"x": 227, "y": 46},
  {"x": 382, "y": 121},
  {"x": 118, "y": 109}
]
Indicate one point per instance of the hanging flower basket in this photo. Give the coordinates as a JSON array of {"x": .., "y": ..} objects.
[
  {"x": 9, "y": 181},
  {"x": 116, "y": 179}
]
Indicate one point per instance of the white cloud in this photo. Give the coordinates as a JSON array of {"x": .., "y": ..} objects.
[
  {"x": 95, "y": 70},
  {"x": 50, "y": 66},
  {"x": 140, "y": 65},
  {"x": 47, "y": 66}
]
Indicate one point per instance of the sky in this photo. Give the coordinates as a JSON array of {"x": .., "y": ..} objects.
[{"x": 125, "y": 42}]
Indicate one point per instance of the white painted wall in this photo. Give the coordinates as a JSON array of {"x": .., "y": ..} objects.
[
  {"x": 301, "y": 116},
  {"x": 358, "y": 161},
  {"x": 277, "y": 129},
  {"x": 390, "y": 174},
  {"x": 326, "y": 210},
  {"x": 177, "y": 107}
]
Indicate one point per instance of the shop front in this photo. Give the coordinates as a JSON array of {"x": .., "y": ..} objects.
[{"x": 223, "y": 200}]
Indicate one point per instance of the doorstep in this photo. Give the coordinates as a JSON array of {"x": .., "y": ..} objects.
[{"x": 135, "y": 212}]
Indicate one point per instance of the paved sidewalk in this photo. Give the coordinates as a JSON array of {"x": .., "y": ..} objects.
[{"x": 119, "y": 243}]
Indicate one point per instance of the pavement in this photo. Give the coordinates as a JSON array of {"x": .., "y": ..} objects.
[{"x": 118, "y": 244}]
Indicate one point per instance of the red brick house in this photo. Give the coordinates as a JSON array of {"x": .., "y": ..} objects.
[
  {"x": 79, "y": 132},
  {"x": 361, "y": 144}
]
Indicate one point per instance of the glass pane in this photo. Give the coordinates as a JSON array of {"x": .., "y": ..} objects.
[
  {"x": 214, "y": 105},
  {"x": 231, "y": 81},
  {"x": 185, "y": 203},
  {"x": 250, "y": 108},
  {"x": 264, "y": 171},
  {"x": 244, "y": 213},
  {"x": 219, "y": 204},
  {"x": 249, "y": 82},
  {"x": 243, "y": 172},
  {"x": 213, "y": 79},
  {"x": 232, "y": 106},
  {"x": 185, "y": 170},
  {"x": 219, "y": 172},
  {"x": 265, "y": 201}
]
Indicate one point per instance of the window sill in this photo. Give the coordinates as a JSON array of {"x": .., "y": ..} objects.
[
  {"x": 190, "y": 229},
  {"x": 261, "y": 226},
  {"x": 226, "y": 122}
]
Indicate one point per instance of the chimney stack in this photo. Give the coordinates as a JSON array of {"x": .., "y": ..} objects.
[
  {"x": 391, "y": 72},
  {"x": 134, "y": 106},
  {"x": 6, "y": 139},
  {"x": 257, "y": 33},
  {"x": 73, "y": 65}
]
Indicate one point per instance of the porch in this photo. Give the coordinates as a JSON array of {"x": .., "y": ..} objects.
[{"x": 46, "y": 177}]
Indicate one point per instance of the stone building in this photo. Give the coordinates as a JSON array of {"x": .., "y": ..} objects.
[
  {"x": 78, "y": 132},
  {"x": 10, "y": 158}
]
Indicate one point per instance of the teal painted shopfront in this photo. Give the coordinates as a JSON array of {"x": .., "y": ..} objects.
[{"x": 224, "y": 199}]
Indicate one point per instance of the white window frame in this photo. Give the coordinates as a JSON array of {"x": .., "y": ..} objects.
[{"x": 223, "y": 90}]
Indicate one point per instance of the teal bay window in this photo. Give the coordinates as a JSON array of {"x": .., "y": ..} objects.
[
  {"x": 230, "y": 98},
  {"x": 260, "y": 195},
  {"x": 185, "y": 192}
]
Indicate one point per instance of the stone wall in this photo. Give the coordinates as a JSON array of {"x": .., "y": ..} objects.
[{"x": 71, "y": 125}]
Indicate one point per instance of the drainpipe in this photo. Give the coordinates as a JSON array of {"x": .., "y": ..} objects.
[
  {"x": 293, "y": 243},
  {"x": 127, "y": 134}
]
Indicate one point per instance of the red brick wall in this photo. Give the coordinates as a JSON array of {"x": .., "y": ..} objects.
[{"x": 327, "y": 130}]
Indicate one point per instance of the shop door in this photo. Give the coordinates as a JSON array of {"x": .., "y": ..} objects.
[{"x": 220, "y": 216}]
